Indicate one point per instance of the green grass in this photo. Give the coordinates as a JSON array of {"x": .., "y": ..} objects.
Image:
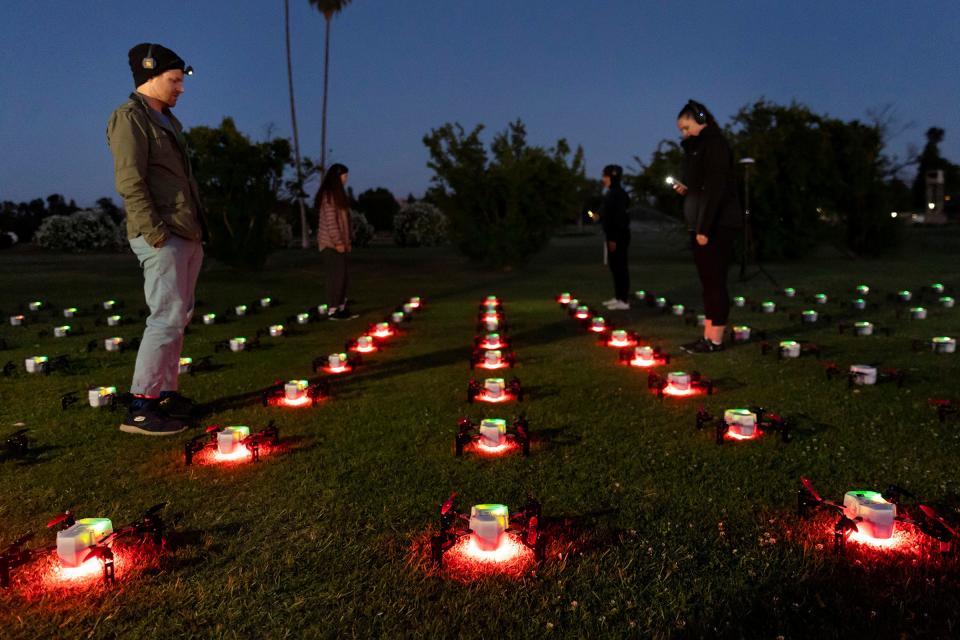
[{"x": 658, "y": 531}]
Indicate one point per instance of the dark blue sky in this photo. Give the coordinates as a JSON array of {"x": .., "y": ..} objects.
[{"x": 608, "y": 75}]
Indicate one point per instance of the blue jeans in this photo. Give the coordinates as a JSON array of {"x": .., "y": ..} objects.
[{"x": 169, "y": 280}]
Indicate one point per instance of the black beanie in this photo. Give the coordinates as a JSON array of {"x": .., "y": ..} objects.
[
  {"x": 614, "y": 172},
  {"x": 149, "y": 60}
]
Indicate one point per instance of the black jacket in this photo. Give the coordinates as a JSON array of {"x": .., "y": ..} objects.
[
  {"x": 710, "y": 175},
  {"x": 613, "y": 214}
]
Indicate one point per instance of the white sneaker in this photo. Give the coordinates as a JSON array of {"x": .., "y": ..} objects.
[
  {"x": 619, "y": 305},
  {"x": 608, "y": 303}
]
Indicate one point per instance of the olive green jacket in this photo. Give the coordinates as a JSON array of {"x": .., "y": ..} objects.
[{"x": 153, "y": 174}]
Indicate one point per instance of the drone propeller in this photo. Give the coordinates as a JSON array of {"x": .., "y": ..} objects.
[
  {"x": 19, "y": 542},
  {"x": 935, "y": 517},
  {"x": 99, "y": 551},
  {"x": 448, "y": 505},
  {"x": 66, "y": 518},
  {"x": 810, "y": 489}
]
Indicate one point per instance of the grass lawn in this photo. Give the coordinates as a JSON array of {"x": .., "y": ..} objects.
[{"x": 655, "y": 530}]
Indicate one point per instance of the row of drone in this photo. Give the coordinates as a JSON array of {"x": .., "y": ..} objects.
[
  {"x": 490, "y": 536},
  {"x": 868, "y": 517},
  {"x": 87, "y": 547}
]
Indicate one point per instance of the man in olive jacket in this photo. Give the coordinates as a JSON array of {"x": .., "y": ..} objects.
[{"x": 165, "y": 229}]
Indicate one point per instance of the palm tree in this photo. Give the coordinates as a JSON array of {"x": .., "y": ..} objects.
[
  {"x": 328, "y": 8},
  {"x": 304, "y": 238}
]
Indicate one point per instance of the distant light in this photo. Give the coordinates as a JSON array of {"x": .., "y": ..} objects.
[
  {"x": 931, "y": 205},
  {"x": 893, "y": 214}
]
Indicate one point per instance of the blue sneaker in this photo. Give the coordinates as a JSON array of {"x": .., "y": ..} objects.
[{"x": 149, "y": 420}]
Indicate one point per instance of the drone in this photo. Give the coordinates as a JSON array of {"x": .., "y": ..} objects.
[
  {"x": 233, "y": 442},
  {"x": 236, "y": 344},
  {"x": 944, "y": 407},
  {"x": 381, "y": 330},
  {"x": 491, "y": 341},
  {"x": 679, "y": 383},
  {"x": 581, "y": 312},
  {"x": 193, "y": 367},
  {"x": 492, "y": 435},
  {"x": 273, "y": 331},
  {"x": 40, "y": 364},
  {"x": 494, "y": 390},
  {"x": 938, "y": 344},
  {"x": 874, "y": 516},
  {"x": 362, "y": 344},
  {"x": 488, "y": 526},
  {"x": 620, "y": 339},
  {"x": 564, "y": 298},
  {"x": 597, "y": 324},
  {"x": 864, "y": 328},
  {"x": 789, "y": 349},
  {"x": 811, "y": 316},
  {"x": 296, "y": 393},
  {"x": 744, "y": 424},
  {"x": 492, "y": 359},
  {"x": 743, "y": 333},
  {"x": 15, "y": 445},
  {"x": 337, "y": 363},
  {"x": 97, "y": 397},
  {"x": 644, "y": 356},
  {"x": 867, "y": 374},
  {"x": 81, "y": 540}
]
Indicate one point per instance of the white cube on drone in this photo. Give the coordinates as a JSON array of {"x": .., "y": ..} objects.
[
  {"x": 741, "y": 422},
  {"x": 821, "y": 298},
  {"x": 918, "y": 313},
  {"x": 677, "y": 309},
  {"x": 16, "y": 321},
  {"x": 701, "y": 320},
  {"x": 493, "y": 431},
  {"x": 660, "y": 302},
  {"x": 113, "y": 321},
  {"x": 36, "y": 364},
  {"x": 295, "y": 389},
  {"x": 491, "y": 324},
  {"x": 863, "y": 374},
  {"x": 230, "y": 438},
  {"x": 741, "y": 333},
  {"x": 863, "y": 328},
  {"x": 679, "y": 380},
  {"x": 62, "y": 331},
  {"x": 859, "y": 304},
  {"x": 492, "y": 357},
  {"x": 73, "y": 543},
  {"x": 877, "y": 517},
  {"x": 113, "y": 344},
  {"x": 643, "y": 353},
  {"x": 240, "y": 310},
  {"x": 108, "y": 305},
  {"x": 768, "y": 306},
  {"x": 573, "y": 304},
  {"x": 489, "y": 523},
  {"x": 185, "y": 365},
  {"x": 70, "y": 312},
  {"x": 944, "y": 344},
  {"x": 101, "y": 396},
  {"x": 789, "y": 349},
  {"x": 809, "y": 316},
  {"x": 276, "y": 330},
  {"x": 946, "y": 302},
  {"x": 303, "y": 318},
  {"x": 790, "y": 292},
  {"x": 238, "y": 344},
  {"x": 323, "y": 309},
  {"x": 494, "y": 387},
  {"x": 209, "y": 318},
  {"x": 739, "y": 301},
  {"x": 35, "y": 306},
  {"x": 399, "y": 316},
  {"x": 265, "y": 302},
  {"x": 336, "y": 360},
  {"x": 905, "y": 296}
]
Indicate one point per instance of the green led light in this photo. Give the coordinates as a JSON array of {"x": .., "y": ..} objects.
[
  {"x": 789, "y": 291},
  {"x": 185, "y": 361},
  {"x": 863, "y": 289},
  {"x": 741, "y": 327},
  {"x": 862, "y": 324},
  {"x": 809, "y": 312},
  {"x": 820, "y": 296},
  {"x": 40, "y": 359},
  {"x": 786, "y": 344},
  {"x": 240, "y": 339}
]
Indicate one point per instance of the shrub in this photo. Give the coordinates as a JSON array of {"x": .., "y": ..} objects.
[
  {"x": 419, "y": 224},
  {"x": 361, "y": 231},
  {"x": 86, "y": 230},
  {"x": 280, "y": 233}
]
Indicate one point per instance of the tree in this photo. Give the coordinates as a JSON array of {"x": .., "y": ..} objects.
[
  {"x": 329, "y": 8},
  {"x": 240, "y": 182},
  {"x": 379, "y": 206},
  {"x": 300, "y": 194},
  {"x": 931, "y": 160},
  {"x": 503, "y": 207}
]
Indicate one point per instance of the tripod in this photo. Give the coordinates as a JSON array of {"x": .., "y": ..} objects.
[{"x": 748, "y": 248}]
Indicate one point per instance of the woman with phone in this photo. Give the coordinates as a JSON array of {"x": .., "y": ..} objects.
[{"x": 711, "y": 208}]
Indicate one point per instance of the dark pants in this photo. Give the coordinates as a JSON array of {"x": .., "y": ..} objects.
[
  {"x": 713, "y": 262},
  {"x": 335, "y": 266},
  {"x": 619, "y": 267}
]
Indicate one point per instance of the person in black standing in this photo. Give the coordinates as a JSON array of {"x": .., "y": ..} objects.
[
  {"x": 616, "y": 230},
  {"x": 711, "y": 208}
]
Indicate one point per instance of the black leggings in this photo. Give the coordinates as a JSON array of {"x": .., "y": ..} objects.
[
  {"x": 335, "y": 265},
  {"x": 713, "y": 262},
  {"x": 619, "y": 267}
]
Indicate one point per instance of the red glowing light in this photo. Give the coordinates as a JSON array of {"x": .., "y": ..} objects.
[
  {"x": 382, "y": 333},
  {"x": 582, "y": 315},
  {"x": 482, "y": 449},
  {"x": 730, "y": 435},
  {"x": 92, "y": 568},
  {"x": 599, "y": 328},
  {"x": 627, "y": 342},
  {"x": 641, "y": 362},
  {"x": 364, "y": 349},
  {"x": 483, "y": 396},
  {"x": 892, "y": 542},
  {"x": 493, "y": 366},
  {"x": 466, "y": 560},
  {"x": 671, "y": 390},
  {"x": 302, "y": 401},
  {"x": 487, "y": 344},
  {"x": 341, "y": 369},
  {"x": 239, "y": 454}
]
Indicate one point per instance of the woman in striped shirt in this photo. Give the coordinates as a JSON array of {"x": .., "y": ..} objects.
[{"x": 333, "y": 238}]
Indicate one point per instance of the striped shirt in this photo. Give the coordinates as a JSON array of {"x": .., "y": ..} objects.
[{"x": 334, "y": 225}]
